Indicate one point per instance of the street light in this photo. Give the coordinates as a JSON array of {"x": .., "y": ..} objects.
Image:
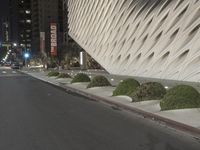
[
  {"x": 26, "y": 56},
  {"x": 14, "y": 44}
]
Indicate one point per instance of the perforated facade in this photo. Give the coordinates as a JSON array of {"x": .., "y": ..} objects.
[{"x": 148, "y": 38}]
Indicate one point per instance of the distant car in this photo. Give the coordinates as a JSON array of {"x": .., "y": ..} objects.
[
  {"x": 15, "y": 65},
  {"x": 7, "y": 64}
]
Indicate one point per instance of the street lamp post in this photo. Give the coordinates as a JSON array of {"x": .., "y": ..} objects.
[{"x": 26, "y": 56}]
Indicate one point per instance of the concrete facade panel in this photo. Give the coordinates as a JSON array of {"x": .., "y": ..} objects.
[{"x": 148, "y": 38}]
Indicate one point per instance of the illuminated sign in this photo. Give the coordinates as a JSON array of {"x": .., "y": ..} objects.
[{"x": 53, "y": 38}]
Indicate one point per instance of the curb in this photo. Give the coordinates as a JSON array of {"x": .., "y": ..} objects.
[
  {"x": 171, "y": 123},
  {"x": 174, "y": 124}
]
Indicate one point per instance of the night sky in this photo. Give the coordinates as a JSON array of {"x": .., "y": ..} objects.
[{"x": 3, "y": 12}]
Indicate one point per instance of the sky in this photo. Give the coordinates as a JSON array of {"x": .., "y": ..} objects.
[{"x": 3, "y": 12}]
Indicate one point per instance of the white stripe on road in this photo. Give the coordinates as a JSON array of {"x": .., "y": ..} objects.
[
  {"x": 4, "y": 72},
  {"x": 14, "y": 72}
]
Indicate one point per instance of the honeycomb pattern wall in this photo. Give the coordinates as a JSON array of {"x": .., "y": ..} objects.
[{"x": 147, "y": 38}]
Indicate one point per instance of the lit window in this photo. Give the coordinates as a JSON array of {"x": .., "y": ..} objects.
[
  {"x": 28, "y": 11},
  {"x": 28, "y": 21}
]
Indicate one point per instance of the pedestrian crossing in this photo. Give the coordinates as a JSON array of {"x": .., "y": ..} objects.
[
  {"x": 9, "y": 73},
  {"x": 5, "y": 72}
]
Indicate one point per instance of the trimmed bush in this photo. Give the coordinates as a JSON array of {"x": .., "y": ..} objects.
[
  {"x": 64, "y": 75},
  {"x": 99, "y": 81},
  {"x": 180, "y": 97},
  {"x": 148, "y": 91},
  {"x": 81, "y": 77},
  {"x": 53, "y": 74},
  {"x": 126, "y": 87}
]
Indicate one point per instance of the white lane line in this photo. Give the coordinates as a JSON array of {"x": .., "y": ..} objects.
[
  {"x": 14, "y": 72},
  {"x": 4, "y": 72}
]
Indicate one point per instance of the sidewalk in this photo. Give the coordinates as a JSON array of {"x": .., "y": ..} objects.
[{"x": 187, "y": 120}]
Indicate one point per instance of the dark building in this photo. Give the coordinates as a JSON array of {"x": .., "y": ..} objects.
[
  {"x": 43, "y": 14},
  {"x": 66, "y": 38},
  {"x": 5, "y": 44},
  {"x": 13, "y": 17},
  {"x": 5, "y": 30},
  {"x": 65, "y": 22},
  {"x": 20, "y": 20},
  {"x": 24, "y": 24}
]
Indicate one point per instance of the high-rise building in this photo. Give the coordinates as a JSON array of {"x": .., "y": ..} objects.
[
  {"x": 13, "y": 17},
  {"x": 24, "y": 22},
  {"x": 20, "y": 20},
  {"x": 65, "y": 22},
  {"x": 5, "y": 30},
  {"x": 5, "y": 44},
  {"x": 44, "y": 13}
]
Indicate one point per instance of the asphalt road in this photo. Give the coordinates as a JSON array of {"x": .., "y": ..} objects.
[{"x": 37, "y": 116}]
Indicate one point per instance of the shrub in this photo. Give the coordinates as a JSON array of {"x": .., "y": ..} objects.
[
  {"x": 81, "y": 77},
  {"x": 180, "y": 97},
  {"x": 148, "y": 91},
  {"x": 126, "y": 87},
  {"x": 53, "y": 73},
  {"x": 52, "y": 63},
  {"x": 98, "y": 81},
  {"x": 64, "y": 75}
]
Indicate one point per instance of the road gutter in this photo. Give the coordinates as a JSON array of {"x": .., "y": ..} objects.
[{"x": 168, "y": 122}]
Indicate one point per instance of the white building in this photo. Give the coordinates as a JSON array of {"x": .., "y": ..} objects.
[{"x": 148, "y": 38}]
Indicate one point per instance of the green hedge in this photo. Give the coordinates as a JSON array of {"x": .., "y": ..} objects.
[
  {"x": 99, "y": 81},
  {"x": 126, "y": 87},
  {"x": 64, "y": 75},
  {"x": 148, "y": 91},
  {"x": 180, "y": 97},
  {"x": 81, "y": 77},
  {"x": 53, "y": 74}
]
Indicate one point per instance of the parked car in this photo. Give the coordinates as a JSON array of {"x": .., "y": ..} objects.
[
  {"x": 15, "y": 65},
  {"x": 7, "y": 64}
]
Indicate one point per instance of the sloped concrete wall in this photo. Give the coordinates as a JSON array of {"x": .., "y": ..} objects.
[{"x": 149, "y": 38}]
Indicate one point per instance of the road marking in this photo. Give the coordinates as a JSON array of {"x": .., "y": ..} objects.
[
  {"x": 4, "y": 72},
  {"x": 14, "y": 72}
]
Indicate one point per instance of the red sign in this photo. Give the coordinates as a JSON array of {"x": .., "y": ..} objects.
[{"x": 53, "y": 29}]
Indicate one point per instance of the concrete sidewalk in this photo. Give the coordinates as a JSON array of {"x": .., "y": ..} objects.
[{"x": 187, "y": 120}]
